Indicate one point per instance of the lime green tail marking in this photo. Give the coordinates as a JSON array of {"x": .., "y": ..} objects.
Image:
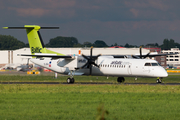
[{"x": 35, "y": 41}]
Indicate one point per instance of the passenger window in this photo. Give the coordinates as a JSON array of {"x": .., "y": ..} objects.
[{"x": 147, "y": 64}]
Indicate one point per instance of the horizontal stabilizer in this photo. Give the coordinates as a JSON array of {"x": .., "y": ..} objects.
[
  {"x": 47, "y": 55},
  {"x": 31, "y": 27}
]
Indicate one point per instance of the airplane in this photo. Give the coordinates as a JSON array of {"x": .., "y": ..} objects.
[
  {"x": 119, "y": 66},
  {"x": 24, "y": 68}
]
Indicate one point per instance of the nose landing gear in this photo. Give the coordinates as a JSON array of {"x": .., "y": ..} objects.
[{"x": 159, "y": 80}]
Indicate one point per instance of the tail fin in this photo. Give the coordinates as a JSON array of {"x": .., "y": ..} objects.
[{"x": 34, "y": 38}]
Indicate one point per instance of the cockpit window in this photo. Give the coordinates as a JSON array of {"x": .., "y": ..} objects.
[
  {"x": 147, "y": 64},
  {"x": 154, "y": 64},
  {"x": 151, "y": 64}
]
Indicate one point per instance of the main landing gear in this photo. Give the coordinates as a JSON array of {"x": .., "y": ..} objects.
[
  {"x": 120, "y": 79},
  {"x": 71, "y": 79}
]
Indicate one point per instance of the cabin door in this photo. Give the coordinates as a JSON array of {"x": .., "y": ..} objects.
[{"x": 129, "y": 69}]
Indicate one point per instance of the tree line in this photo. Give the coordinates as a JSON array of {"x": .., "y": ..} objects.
[{"x": 8, "y": 42}]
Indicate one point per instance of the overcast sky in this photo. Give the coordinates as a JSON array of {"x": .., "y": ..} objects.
[{"x": 137, "y": 22}]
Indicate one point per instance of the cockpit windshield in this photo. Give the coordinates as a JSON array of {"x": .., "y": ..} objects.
[
  {"x": 151, "y": 64},
  {"x": 154, "y": 64}
]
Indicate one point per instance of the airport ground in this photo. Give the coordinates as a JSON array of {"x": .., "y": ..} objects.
[{"x": 88, "y": 101}]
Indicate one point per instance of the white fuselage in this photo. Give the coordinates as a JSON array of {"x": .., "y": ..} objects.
[{"x": 108, "y": 66}]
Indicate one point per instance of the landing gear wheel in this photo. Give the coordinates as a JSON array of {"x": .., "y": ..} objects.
[
  {"x": 70, "y": 80},
  {"x": 158, "y": 81},
  {"x": 120, "y": 79}
]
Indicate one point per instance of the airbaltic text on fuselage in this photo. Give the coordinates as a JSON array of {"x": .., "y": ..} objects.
[
  {"x": 119, "y": 63},
  {"x": 116, "y": 62},
  {"x": 36, "y": 50}
]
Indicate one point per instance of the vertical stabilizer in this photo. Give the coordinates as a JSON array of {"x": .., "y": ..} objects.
[{"x": 34, "y": 38}]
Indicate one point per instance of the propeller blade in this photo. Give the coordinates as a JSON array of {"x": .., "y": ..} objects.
[
  {"x": 147, "y": 55},
  {"x": 85, "y": 57},
  {"x": 97, "y": 56},
  {"x": 91, "y": 51},
  {"x": 90, "y": 60},
  {"x": 133, "y": 56},
  {"x": 96, "y": 65},
  {"x": 84, "y": 65},
  {"x": 140, "y": 51},
  {"x": 90, "y": 69}
]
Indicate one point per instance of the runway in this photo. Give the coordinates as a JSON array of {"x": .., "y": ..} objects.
[{"x": 89, "y": 83}]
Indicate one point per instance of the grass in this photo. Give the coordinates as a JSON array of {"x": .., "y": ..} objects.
[
  {"x": 75, "y": 101},
  {"x": 82, "y": 101}
]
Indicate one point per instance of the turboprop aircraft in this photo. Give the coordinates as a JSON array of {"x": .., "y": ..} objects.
[{"x": 101, "y": 65}]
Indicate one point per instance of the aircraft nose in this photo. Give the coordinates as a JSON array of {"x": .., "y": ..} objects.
[
  {"x": 162, "y": 72},
  {"x": 165, "y": 74}
]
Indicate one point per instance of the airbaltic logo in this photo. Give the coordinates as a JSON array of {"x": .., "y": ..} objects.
[
  {"x": 36, "y": 50},
  {"x": 116, "y": 62}
]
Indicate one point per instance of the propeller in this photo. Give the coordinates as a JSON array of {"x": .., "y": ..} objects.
[
  {"x": 90, "y": 61},
  {"x": 141, "y": 56}
]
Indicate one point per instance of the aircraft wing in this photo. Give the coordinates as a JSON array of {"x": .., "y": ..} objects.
[
  {"x": 54, "y": 56},
  {"x": 143, "y": 56},
  {"x": 153, "y": 55},
  {"x": 118, "y": 56}
]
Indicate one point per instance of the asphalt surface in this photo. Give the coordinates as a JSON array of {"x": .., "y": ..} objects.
[
  {"x": 91, "y": 83},
  {"x": 80, "y": 83}
]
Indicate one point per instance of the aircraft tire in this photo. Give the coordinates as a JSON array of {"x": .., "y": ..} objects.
[
  {"x": 158, "y": 81},
  {"x": 120, "y": 79},
  {"x": 72, "y": 80},
  {"x": 69, "y": 80}
]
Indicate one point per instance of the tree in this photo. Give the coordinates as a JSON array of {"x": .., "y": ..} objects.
[
  {"x": 62, "y": 42},
  {"x": 87, "y": 44},
  {"x": 129, "y": 46},
  {"x": 168, "y": 44},
  {"x": 171, "y": 43},
  {"x": 99, "y": 43},
  {"x": 8, "y": 42},
  {"x": 152, "y": 45},
  {"x": 115, "y": 44}
]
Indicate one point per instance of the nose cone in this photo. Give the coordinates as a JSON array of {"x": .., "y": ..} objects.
[
  {"x": 164, "y": 74},
  {"x": 160, "y": 72}
]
